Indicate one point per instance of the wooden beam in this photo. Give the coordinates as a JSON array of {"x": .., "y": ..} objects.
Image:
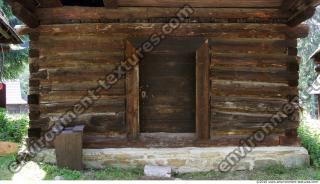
[
  {"x": 301, "y": 16},
  {"x": 192, "y": 30},
  {"x": 49, "y": 3},
  {"x": 25, "y": 15},
  {"x": 202, "y": 3},
  {"x": 110, "y": 3},
  {"x": 202, "y": 92},
  {"x": 31, "y": 5},
  {"x": 300, "y": 10},
  {"x": 132, "y": 90},
  {"x": 67, "y": 14}
]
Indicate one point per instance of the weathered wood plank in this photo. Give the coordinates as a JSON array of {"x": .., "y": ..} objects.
[
  {"x": 113, "y": 104},
  {"x": 173, "y": 141},
  {"x": 68, "y": 148},
  {"x": 258, "y": 46},
  {"x": 237, "y": 121},
  {"x": 203, "y": 3},
  {"x": 48, "y": 86},
  {"x": 202, "y": 91},
  {"x": 132, "y": 91},
  {"x": 49, "y": 3},
  {"x": 110, "y": 3},
  {"x": 89, "y": 14},
  {"x": 251, "y": 89},
  {"x": 247, "y": 104},
  {"x": 195, "y": 29},
  {"x": 284, "y": 77},
  {"x": 106, "y": 123},
  {"x": 252, "y": 60}
]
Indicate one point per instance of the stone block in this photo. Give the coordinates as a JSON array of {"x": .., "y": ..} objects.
[{"x": 157, "y": 171}]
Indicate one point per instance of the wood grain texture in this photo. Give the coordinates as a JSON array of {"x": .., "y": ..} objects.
[
  {"x": 132, "y": 91},
  {"x": 68, "y": 14},
  {"x": 202, "y": 91},
  {"x": 68, "y": 147},
  {"x": 202, "y": 3},
  {"x": 252, "y": 72},
  {"x": 167, "y": 77}
]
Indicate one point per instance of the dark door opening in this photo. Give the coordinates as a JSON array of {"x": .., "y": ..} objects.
[{"x": 167, "y": 87}]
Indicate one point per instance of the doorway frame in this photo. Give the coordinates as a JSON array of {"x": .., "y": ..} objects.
[{"x": 202, "y": 94}]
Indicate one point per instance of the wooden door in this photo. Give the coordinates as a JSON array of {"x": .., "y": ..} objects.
[{"x": 167, "y": 88}]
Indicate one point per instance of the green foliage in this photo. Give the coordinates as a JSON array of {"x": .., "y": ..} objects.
[
  {"x": 276, "y": 169},
  {"x": 275, "y": 172},
  {"x": 5, "y": 174},
  {"x": 5, "y": 9},
  {"x": 307, "y": 72},
  {"x": 14, "y": 63},
  {"x": 310, "y": 139},
  {"x": 109, "y": 173},
  {"x": 113, "y": 173},
  {"x": 53, "y": 171},
  {"x": 13, "y": 129},
  {"x": 24, "y": 82}
]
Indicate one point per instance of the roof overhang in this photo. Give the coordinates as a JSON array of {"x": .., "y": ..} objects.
[
  {"x": 7, "y": 33},
  {"x": 298, "y": 10}
]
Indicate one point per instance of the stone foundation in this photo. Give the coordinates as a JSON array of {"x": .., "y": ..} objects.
[{"x": 184, "y": 160}]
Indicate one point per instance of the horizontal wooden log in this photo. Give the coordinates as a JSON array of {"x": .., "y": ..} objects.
[
  {"x": 107, "y": 123},
  {"x": 99, "y": 14},
  {"x": 251, "y": 89},
  {"x": 79, "y": 74},
  {"x": 246, "y": 104},
  {"x": 66, "y": 96},
  {"x": 163, "y": 140},
  {"x": 258, "y": 46},
  {"x": 284, "y": 77},
  {"x": 42, "y": 74},
  {"x": 110, "y": 3},
  {"x": 86, "y": 58},
  {"x": 46, "y": 87},
  {"x": 253, "y": 121},
  {"x": 51, "y": 45},
  {"x": 196, "y": 29},
  {"x": 113, "y": 104},
  {"x": 42, "y": 123},
  {"x": 203, "y": 3},
  {"x": 227, "y": 140},
  {"x": 239, "y": 62},
  {"x": 49, "y": 3}
]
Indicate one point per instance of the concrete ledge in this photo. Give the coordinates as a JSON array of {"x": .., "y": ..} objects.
[{"x": 184, "y": 160}]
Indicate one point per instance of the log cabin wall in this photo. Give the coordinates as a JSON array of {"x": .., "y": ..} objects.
[{"x": 253, "y": 67}]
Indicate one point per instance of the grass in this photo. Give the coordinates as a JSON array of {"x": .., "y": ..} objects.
[
  {"x": 275, "y": 172},
  {"x": 5, "y": 174},
  {"x": 104, "y": 174}
]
